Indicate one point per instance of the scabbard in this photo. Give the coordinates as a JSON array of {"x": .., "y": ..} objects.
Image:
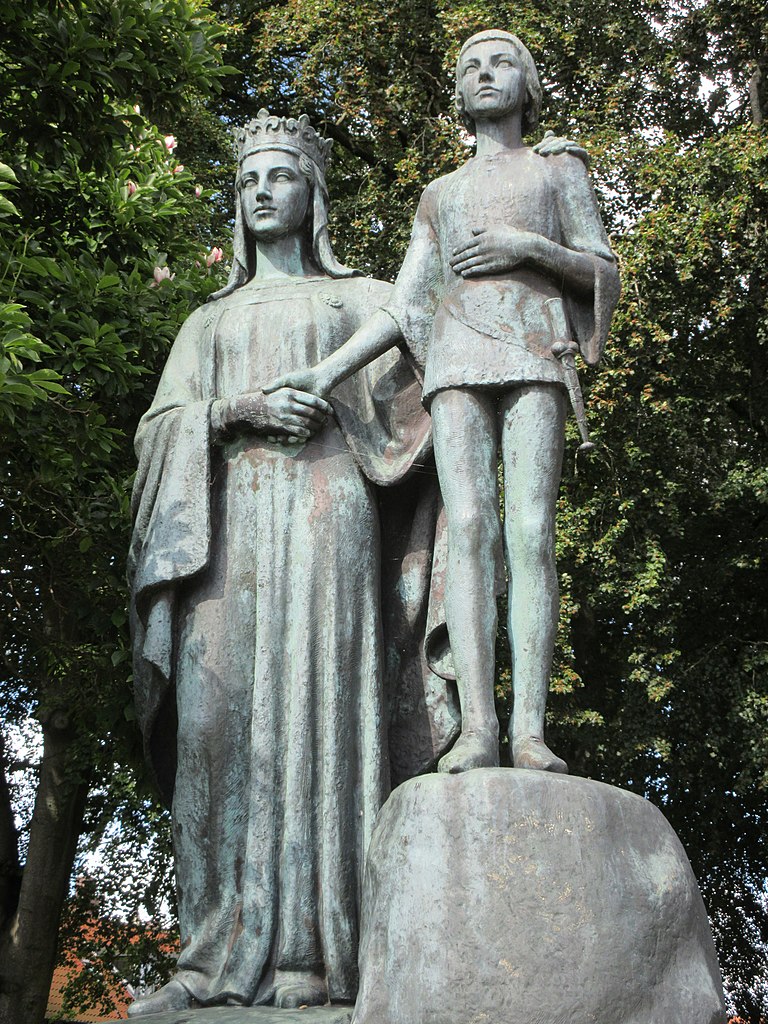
[
  {"x": 564, "y": 346},
  {"x": 574, "y": 392}
]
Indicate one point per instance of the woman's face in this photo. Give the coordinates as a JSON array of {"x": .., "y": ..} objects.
[
  {"x": 492, "y": 81},
  {"x": 274, "y": 193}
]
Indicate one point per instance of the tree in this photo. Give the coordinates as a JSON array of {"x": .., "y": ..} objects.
[
  {"x": 661, "y": 683},
  {"x": 100, "y": 273},
  {"x": 21, "y": 381}
]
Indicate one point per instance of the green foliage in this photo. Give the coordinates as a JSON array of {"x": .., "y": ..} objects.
[
  {"x": 20, "y": 386},
  {"x": 69, "y": 65},
  {"x": 661, "y": 675},
  {"x": 102, "y": 256},
  {"x": 20, "y": 383}
]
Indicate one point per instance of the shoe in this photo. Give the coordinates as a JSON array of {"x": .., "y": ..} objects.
[{"x": 172, "y": 996}]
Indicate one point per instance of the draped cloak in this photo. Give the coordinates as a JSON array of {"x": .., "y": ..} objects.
[{"x": 279, "y": 603}]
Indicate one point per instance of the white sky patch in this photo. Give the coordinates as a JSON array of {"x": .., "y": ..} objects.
[
  {"x": 124, "y": 866},
  {"x": 23, "y": 752}
]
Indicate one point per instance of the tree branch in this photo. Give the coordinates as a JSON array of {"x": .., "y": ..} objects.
[{"x": 28, "y": 942}]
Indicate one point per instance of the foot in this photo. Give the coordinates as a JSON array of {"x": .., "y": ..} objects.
[
  {"x": 533, "y": 752},
  {"x": 294, "y": 989},
  {"x": 471, "y": 750},
  {"x": 172, "y": 996}
]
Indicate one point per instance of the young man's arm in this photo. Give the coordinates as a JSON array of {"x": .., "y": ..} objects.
[
  {"x": 500, "y": 249},
  {"x": 376, "y": 336},
  {"x": 407, "y": 315}
]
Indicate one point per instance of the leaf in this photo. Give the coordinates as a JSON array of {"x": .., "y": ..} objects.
[
  {"x": 7, "y": 209},
  {"x": 108, "y": 281}
]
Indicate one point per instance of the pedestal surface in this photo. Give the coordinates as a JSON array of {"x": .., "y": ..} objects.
[
  {"x": 253, "y": 1015},
  {"x": 501, "y": 896}
]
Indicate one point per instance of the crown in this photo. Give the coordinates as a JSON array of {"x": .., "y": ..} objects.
[{"x": 267, "y": 131}]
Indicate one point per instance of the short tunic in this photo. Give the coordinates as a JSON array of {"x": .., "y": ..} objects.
[{"x": 494, "y": 330}]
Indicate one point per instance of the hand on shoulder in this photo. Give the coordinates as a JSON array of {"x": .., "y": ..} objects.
[{"x": 555, "y": 145}]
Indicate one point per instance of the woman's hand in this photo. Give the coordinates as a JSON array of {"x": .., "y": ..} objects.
[
  {"x": 494, "y": 251},
  {"x": 284, "y": 410}
]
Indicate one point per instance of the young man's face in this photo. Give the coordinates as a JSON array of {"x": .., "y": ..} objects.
[{"x": 492, "y": 81}]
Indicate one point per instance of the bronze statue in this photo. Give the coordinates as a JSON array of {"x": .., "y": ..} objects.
[
  {"x": 277, "y": 601},
  {"x": 503, "y": 252}
]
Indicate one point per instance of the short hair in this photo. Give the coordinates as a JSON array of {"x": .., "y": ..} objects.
[{"x": 532, "y": 105}]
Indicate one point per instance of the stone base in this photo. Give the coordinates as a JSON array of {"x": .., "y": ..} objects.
[
  {"x": 253, "y": 1015},
  {"x": 503, "y": 896}
]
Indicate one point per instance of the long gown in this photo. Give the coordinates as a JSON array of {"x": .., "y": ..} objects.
[{"x": 268, "y": 642}]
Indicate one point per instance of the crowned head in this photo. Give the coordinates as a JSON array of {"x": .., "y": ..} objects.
[
  {"x": 289, "y": 134},
  {"x": 297, "y": 137}
]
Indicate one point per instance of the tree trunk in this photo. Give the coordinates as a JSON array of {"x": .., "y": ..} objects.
[
  {"x": 10, "y": 869},
  {"x": 28, "y": 943},
  {"x": 758, "y": 101}
]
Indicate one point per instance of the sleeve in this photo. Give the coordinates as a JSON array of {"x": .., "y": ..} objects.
[
  {"x": 419, "y": 287},
  {"x": 171, "y": 524},
  {"x": 379, "y": 407},
  {"x": 582, "y": 230},
  {"x": 170, "y": 495}
]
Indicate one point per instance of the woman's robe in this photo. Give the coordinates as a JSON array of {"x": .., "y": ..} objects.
[{"x": 279, "y": 604}]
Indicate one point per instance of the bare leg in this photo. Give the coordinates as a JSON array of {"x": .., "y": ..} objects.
[
  {"x": 532, "y": 419},
  {"x": 466, "y": 445}
]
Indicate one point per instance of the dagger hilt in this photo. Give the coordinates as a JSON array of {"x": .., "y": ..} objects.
[{"x": 560, "y": 349}]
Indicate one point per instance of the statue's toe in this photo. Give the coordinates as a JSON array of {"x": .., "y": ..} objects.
[
  {"x": 298, "y": 988},
  {"x": 471, "y": 750}
]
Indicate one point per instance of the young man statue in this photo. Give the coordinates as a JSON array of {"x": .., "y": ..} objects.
[{"x": 505, "y": 252}]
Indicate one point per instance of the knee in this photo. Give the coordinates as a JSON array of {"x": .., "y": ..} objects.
[
  {"x": 473, "y": 532},
  {"x": 211, "y": 710},
  {"x": 199, "y": 724},
  {"x": 531, "y": 541}
]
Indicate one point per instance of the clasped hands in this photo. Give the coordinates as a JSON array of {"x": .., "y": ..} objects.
[{"x": 287, "y": 413}]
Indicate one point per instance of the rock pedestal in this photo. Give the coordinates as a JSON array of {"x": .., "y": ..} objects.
[{"x": 520, "y": 897}]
